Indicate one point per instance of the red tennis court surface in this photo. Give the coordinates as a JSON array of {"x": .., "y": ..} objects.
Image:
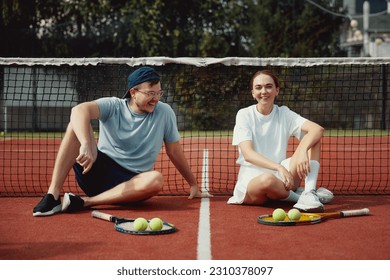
[{"x": 233, "y": 232}]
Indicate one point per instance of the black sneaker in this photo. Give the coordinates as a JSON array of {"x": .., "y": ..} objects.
[
  {"x": 72, "y": 203},
  {"x": 47, "y": 206}
]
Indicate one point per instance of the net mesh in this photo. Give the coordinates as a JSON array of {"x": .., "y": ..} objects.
[{"x": 348, "y": 97}]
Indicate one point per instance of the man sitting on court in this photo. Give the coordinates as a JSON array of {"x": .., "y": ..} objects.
[{"x": 118, "y": 169}]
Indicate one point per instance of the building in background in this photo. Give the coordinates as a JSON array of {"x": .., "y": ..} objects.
[{"x": 368, "y": 31}]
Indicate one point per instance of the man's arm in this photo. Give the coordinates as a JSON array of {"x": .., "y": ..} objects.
[
  {"x": 176, "y": 155},
  {"x": 80, "y": 120}
]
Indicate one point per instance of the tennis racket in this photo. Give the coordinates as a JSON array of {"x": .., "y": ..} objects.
[
  {"x": 127, "y": 225},
  {"x": 312, "y": 218}
]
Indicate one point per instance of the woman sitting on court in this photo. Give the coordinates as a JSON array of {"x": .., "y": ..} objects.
[{"x": 262, "y": 132}]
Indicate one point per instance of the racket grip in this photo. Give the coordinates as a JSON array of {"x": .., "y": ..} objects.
[
  {"x": 360, "y": 212},
  {"x": 101, "y": 215}
]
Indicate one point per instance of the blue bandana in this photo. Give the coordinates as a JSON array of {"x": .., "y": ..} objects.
[{"x": 139, "y": 76}]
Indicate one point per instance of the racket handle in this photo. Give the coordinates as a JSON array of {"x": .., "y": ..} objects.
[
  {"x": 359, "y": 212},
  {"x": 101, "y": 215}
]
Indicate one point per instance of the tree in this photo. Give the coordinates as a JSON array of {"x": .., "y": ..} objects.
[
  {"x": 293, "y": 29},
  {"x": 17, "y": 28},
  {"x": 137, "y": 28}
]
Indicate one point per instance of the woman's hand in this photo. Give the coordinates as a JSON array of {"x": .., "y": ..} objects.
[{"x": 287, "y": 178}]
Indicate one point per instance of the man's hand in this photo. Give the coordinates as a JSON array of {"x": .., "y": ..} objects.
[
  {"x": 194, "y": 192},
  {"x": 86, "y": 157}
]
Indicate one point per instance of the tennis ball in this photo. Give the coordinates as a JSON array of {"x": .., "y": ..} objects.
[
  {"x": 294, "y": 214},
  {"x": 140, "y": 224},
  {"x": 278, "y": 214},
  {"x": 156, "y": 224}
]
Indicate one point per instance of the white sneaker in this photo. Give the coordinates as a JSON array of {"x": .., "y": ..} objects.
[
  {"x": 324, "y": 195},
  {"x": 309, "y": 202}
]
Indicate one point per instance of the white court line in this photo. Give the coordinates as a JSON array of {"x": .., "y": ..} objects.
[{"x": 204, "y": 242}]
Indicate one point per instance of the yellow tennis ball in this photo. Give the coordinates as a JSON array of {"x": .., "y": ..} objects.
[
  {"x": 156, "y": 224},
  {"x": 294, "y": 214},
  {"x": 140, "y": 224},
  {"x": 279, "y": 214}
]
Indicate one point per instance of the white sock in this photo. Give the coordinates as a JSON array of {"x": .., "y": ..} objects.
[
  {"x": 311, "y": 178},
  {"x": 292, "y": 197}
]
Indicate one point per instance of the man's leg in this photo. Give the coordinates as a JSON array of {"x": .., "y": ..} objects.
[
  {"x": 140, "y": 187},
  {"x": 66, "y": 157}
]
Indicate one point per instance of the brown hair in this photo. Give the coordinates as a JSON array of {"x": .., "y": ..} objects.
[{"x": 268, "y": 73}]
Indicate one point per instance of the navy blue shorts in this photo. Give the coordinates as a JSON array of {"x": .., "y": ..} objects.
[{"x": 104, "y": 175}]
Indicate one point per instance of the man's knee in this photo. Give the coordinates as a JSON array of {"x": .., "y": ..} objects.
[
  {"x": 149, "y": 182},
  {"x": 156, "y": 180}
]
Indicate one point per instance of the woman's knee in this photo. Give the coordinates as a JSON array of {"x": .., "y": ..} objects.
[
  {"x": 267, "y": 181},
  {"x": 262, "y": 183}
]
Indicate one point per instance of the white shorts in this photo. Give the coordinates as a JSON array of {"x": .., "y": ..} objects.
[{"x": 245, "y": 175}]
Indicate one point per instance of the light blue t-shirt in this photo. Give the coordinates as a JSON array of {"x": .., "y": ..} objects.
[{"x": 134, "y": 140}]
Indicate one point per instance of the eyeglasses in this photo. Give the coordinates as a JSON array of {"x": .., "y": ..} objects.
[{"x": 151, "y": 94}]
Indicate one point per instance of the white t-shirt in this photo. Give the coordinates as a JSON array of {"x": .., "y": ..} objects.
[{"x": 269, "y": 134}]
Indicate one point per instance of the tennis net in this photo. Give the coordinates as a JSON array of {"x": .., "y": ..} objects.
[{"x": 349, "y": 97}]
